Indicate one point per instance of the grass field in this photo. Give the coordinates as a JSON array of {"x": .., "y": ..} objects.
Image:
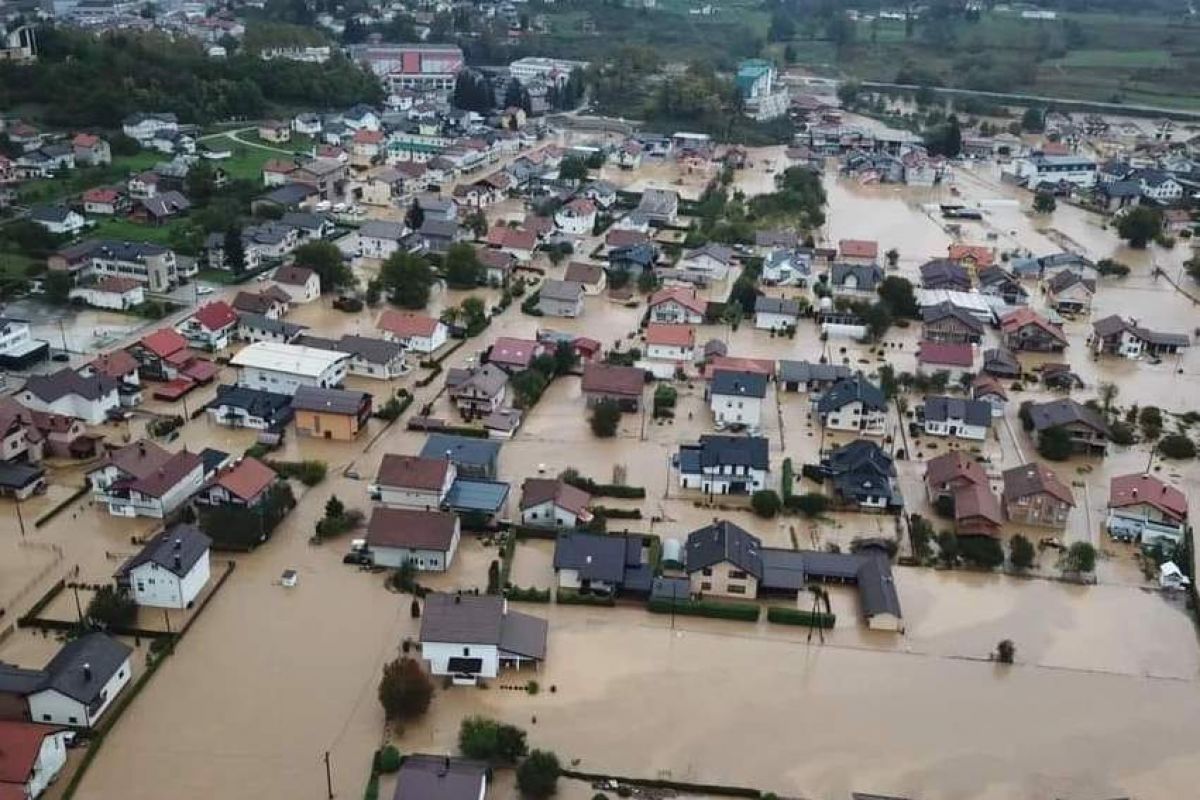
[
  {"x": 1104, "y": 59},
  {"x": 127, "y": 230},
  {"x": 247, "y": 161},
  {"x": 75, "y": 181}
]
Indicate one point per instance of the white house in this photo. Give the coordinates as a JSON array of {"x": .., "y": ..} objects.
[
  {"x": 1039, "y": 168},
  {"x": 143, "y": 480},
  {"x": 853, "y": 404},
  {"x": 958, "y": 418},
  {"x": 31, "y": 756},
  {"x": 379, "y": 238},
  {"x": 724, "y": 465},
  {"x": 711, "y": 262},
  {"x": 577, "y": 218},
  {"x": 68, "y": 393},
  {"x": 111, "y": 292},
  {"x": 775, "y": 313},
  {"x": 677, "y": 305},
  {"x": 474, "y": 636},
  {"x": 413, "y": 481},
  {"x": 143, "y": 127},
  {"x": 212, "y": 327},
  {"x": 553, "y": 503},
  {"x": 82, "y": 680},
  {"x": 58, "y": 219},
  {"x": 170, "y": 571},
  {"x": 418, "y": 332},
  {"x": 427, "y": 540},
  {"x": 736, "y": 398},
  {"x": 282, "y": 368},
  {"x": 302, "y": 284},
  {"x": 673, "y": 343},
  {"x": 1159, "y": 186}
]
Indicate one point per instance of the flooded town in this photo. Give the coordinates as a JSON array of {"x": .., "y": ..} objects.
[{"x": 534, "y": 456}]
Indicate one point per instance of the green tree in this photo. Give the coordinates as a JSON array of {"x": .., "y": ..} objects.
[
  {"x": 537, "y": 777},
  {"x": 527, "y": 386},
  {"x": 948, "y": 548},
  {"x": 1044, "y": 203},
  {"x": 1177, "y": 446},
  {"x": 408, "y": 279},
  {"x": 1054, "y": 444},
  {"x": 334, "y": 507},
  {"x": 1006, "y": 651},
  {"x": 606, "y": 417},
  {"x": 462, "y": 267},
  {"x": 486, "y": 739},
  {"x": 920, "y": 534},
  {"x": 1139, "y": 225},
  {"x": 565, "y": 358},
  {"x": 810, "y": 504},
  {"x": 233, "y": 251},
  {"x": 1150, "y": 419},
  {"x": 200, "y": 183},
  {"x": 898, "y": 295},
  {"x": 405, "y": 691},
  {"x": 414, "y": 218},
  {"x": 325, "y": 259},
  {"x": 1080, "y": 557},
  {"x": 110, "y": 608},
  {"x": 766, "y": 503},
  {"x": 982, "y": 551},
  {"x": 1020, "y": 552},
  {"x": 476, "y": 222},
  {"x": 1033, "y": 120},
  {"x": 573, "y": 168},
  {"x": 58, "y": 287}
]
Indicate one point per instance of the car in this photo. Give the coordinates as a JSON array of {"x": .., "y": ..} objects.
[
  {"x": 359, "y": 559},
  {"x": 61, "y": 357},
  {"x": 203, "y": 290}
]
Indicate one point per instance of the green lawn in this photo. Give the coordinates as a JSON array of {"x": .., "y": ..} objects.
[
  {"x": 246, "y": 161},
  {"x": 75, "y": 181},
  {"x": 127, "y": 230},
  {"x": 1129, "y": 59}
]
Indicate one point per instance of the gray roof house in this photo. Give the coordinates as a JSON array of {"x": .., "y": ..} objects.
[
  {"x": 473, "y": 457},
  {"x": 469, "y": 636},
  {"x": 603, "y": 562},
  {"x": 806, "y": 376},
  {"x": 561, "y": 298},
  {"x": 855, "y": 279},
  {"x": 431, "y": 777},
  {"x": 175, "y": 549},
  {"x": 849, "y": 390},
  {"x": 659, "y": 205}
]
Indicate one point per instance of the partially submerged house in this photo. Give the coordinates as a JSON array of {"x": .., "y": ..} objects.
[
  {"x": 862, "y": 477},
  {"x": 553, "y": 503},
  {"x": 171, "y": 569},
  {"x": 425, "y": 539},
  {"x": 724, "y": 464},
  {"x": 1114, "y": 335},
  {"x": 853, "y": 404},
  {"x": 605, "y": 564},
  {"x": 1034, "y": 495},
  {"x": 1145, "y": 509},
  {"x": 1025, "y": 329},
  {"x": 955, "y": 475},
  {"x": 1088, "y": 431},
  {"x": 469, "y": 637}
]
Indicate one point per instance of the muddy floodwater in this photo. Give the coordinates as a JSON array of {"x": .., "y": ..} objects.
[{"x": 1104, "y": 700}]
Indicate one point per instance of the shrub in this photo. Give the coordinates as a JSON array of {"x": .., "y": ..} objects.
[
  {"x": 766, "y": 503},
  {"x": 112, "y": 609},
  {"x": 1176, "y": 445},
  {"x": 537, "y": 777},
  {"x": 1081, "y": 557},
  {"x": 571, "y": 597},
  {"x": 1054, "y": 444},
  {"x": 1020, "y": 552},
  {"x": 310, "y": 473},
  {"x": 746, "y": 612},
  {"x": 387, "y": 760},
  {"x": 488, "y": 740},
  {"x": 796, "y": 616},
  {"x": 810, "y": 504},
  {"x": 944, "y": 506},
  {"x": 982, "y": 551},
  {"x": 1121, "y": 433},
  {"x": 530, "y": 595},
  {"x": 606, "y": 417},
  {"x": 1006, "y": 651},
  {"x": 405, "y": 690},
  {"x": 787, "y": 480}
]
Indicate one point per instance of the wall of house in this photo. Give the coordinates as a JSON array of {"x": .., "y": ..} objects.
[
  {"x": 851, "y": 417},
  {"x": 670, "y": 353},
  {"x": 55, "y": 708},
  {"x": 885, "y": 622},
  {"x": 180, "y": 492},
  {"x": 424, "y": 560},
  {"x": 724, "y": 580},
  {"x": 410, "y": 498},
  {"x": 1042, "y": 509},
  {"x": 673, "y": 313},
  {"x": 158, "y": 587},
  {"x": 50, "y": 760},
  {"x": 766, "y": 321},
  {"x": 559, "y": 308},
  {"x": 91, "y": 411},
  {"x": 240, "y": 419},
  {"x": 569, "y": 579},
  {"x": 340, "y": 427},
  {"x": 548, "y": 515},
  {"x": 736, "y": 410},
  {"x": 280, "y": 382},
  {"x": 438, "y": 654},
  {"x": 720, "y": 480},
  {"x": 956, "y": 428}
]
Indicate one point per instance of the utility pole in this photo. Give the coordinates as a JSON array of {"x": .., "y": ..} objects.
[
  {"x": 328, "y": 776},
  {"x": 78, "y": 607},
  {"x": 20, "y": 516}
]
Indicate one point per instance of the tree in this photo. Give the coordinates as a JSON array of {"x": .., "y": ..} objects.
[
  {"x": 565, "y": 358},
  {"x": 405, "y": 690},
  {"x": 1108, "y": 266},
  {"x": 58, "y": 287},
  {"x": 948, "y": 548},
  {"x": 573, "y": 168},
  {"x": 537, "y": 777},
  {"x": 408, "y": 279},
  {"x": 374, "y": 291},
  {"x": 1006, "y": 651},
  {"x": 1139, "y": 225},
  {"x": 1020, "y": 552},
  {"x": 1177, "y": 446},
  {"x": 488, "y": 740},
  {"x": 1044, "y": 203},
  {"x": 462, "y": 267},
  {"x": 527, "y": 386},
  {"x": 892, "y": 256},
  {"x": 810, "y": 504},
  {"x": 848, "y": 93},
  {"x": 898, "y": 295},
  {"x": 325, "y": 259},
  {"x": 477, "y": 223},
  {"x": 1081, "y": 557},
  {"x": 982, "y": 551},
  {"x": 766, "y": 503},
  {"x": 606, "y": 417},
  {"x": 200, "y": 183},
  {"x": 944, "y": 506},
  {"x": 1108, "y": 393},
  {"x": 1033, "y": 120},
  {"x": 415, "y": 217},
  {"x": 334, "y": 507},
  {"x": 1150, "y": 419},
  {"x": 110, "y": 608},
  {"x": 233, "y": 251},
  {"x": 1055, "y": 444},
  {"x": 517, "y": 96}
]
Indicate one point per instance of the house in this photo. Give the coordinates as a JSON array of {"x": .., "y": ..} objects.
[
  {"x": 859, "y": 251},
  {"x": 245, "y": 483},
  {"x": 1088, "y": 431},
  {"x": 439, "y": 234},
  {"x": 633, "y": 259},
  {"x": 90, "y": 150},
  {"x": 1114, "y": 335},
  {"x": 604, "y": 564},
  {"x": 299, "y": 282},
  {"x": 475, "y": 636},
  {"x": 425, "y": 539},
  {"x": 943, "y": 273},
  {"x": 170, "y": 571},
  {"x": 805, "y": 376},
  {"x": 161, "y": 207},
  {"x": 1144, "y": 509},
  {"x": 101, "y": 201},
  {"x": 950, "y": 472},
  {"x": 58, "y": 220},
  {"x": 863, "y": 476},
  {"x": 417, "y": 332},
  {"x": 1068, "y": 292},
  {"x": 853, "y": 404},
  {"x": 117, "y": 294},
  {"x": 946, "y": 322},
  {"x": 954, "y": 359},
  {"x": 1001, "y": 363},
  {"x": 560, "y": 298},
  {"x": 431, "y": 777},
  {"x": 1158, "y": 186},
  {"x": 18, "y": 348},
  {"x": 70, "y": 394},
  {"x": 271, "y": 302},
  {"x": 972, "y": 256},
  {"x": 677, "y": 305},
  {"x": 379, "y": 238},
  {"x": 238, "y": 407},
  {"x": 1039, "y": 168},
  {"x": 472, "y": 457},
  {"x": 284, "y": 368},
  {"x": 325, "y": 175},
  {"x": 577, "y": 217},
  {"x": 675, "y": 344},
  {"x": 988, "y": 389},
  {"x": 602, "y": 193},
  {"x": 477, "y": 391},
  {"x": 785, "y": 266},
  {"x": 553, "y": 503},
  {"x": 719, "y": 464},
  {"x": 498, "y": 265},
  {"x": 147, "y": 263},
  {"x": 590, "y": 276},
  {"x": 957, "y": 417},
  {"x": 413, "y": 481},
  {"x": 1034, "y": 495},
  {"x": 659, "y": 205},
  {"x": 81, "y": 681},
  {"x": 326, "y": 413},
  {"x": 1115, "y": 195},
  {"x": 310, "y": 227},
  {"x": 160, "y": 354},
  {"x": 855, "y": 280},
  {"x": 31, "y": 756},
  {"x": 995, "y": 281},
  {"x": 517, "y": 242},
  {"x": 143, "y": 480},
  {"x": 776, "y": 313},
  {"x": 512, "y": 354},
  {"x": 710, "y": 262},
  {"x": 144, "y": 185},
  {"x": 622, "y": 385},
  {"x": 212, "y": 327},
  {"x": 260, "y": 328},
  {"x": 736, "y": 398},
  {"x": 143, "y": 126},
  {"x": 381, "y": 359},
  {"x": 307, "y": 124}
]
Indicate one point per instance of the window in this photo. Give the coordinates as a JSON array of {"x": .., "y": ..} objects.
[
  {"x": 737, "y": 575},
  {"x": 707, "y": 572},
  {"x": 466, "y": 651},
  {"x": 704, "y": 587},
  {"x": 73, "y": 720},
  {"x": 735, "y": 589},
  {"x": 45, "y": 717}
]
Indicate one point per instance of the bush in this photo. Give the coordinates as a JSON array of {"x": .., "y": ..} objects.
[
  {"x": 1020, "y": 552},
  {"x": 746, "y": 612},
  {"x": 537, "y": 777},
  {"x": 405, "y": 691},
  {"x": 1121, "y": 433},
  {"x": 1176, "y": 445},
  {"x": 766, "y": 503},
  {"x": 588, "y": 485},
  {"x": 488, "y": 740},
  {"x": 810, "y": 504},
  {"x": 796, "y": 616},
  {"x": 571, "y": 597},
  {"x": 310, "y": 473},
  {"x": 787, "y": 480},
  {"x": 1006, "y": 651},
  {"x": 944, "y": 506},
  {"x": 530, "y": 595},
  {"x": 606, "y": 417},
  {"x": 112, "y": 609},
  {"x": 1081, "y": 557},
  {"x": 982, "y": 551},
  {"x": 387, "y": 760},
  {"x": 1054, "y": 444}
]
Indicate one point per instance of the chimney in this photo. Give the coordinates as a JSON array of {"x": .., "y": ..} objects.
[
  {"x": 141, "y": 448},
  {"x": 178, "y": 543},
  {"x": 1134, "y": 493},
  {"x": 178, "y": 562},
  {"x": 457, "y": 599},
  {"x": 87, "y": 671}
]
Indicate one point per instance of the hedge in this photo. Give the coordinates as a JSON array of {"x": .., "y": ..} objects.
[
  {"x": 606, "y": 489},
  {"x": 530, "y": 595},
  {"x": 572, "y": 597},
  {"x": 796, "y": 616},
  {"x": 617, "y": 513},
  {"x": 49, "y": 515},
  {"x": 747, "y": 612}
]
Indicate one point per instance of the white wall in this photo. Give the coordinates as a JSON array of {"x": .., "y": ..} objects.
[
  {"x": 281, "y": 382},
  {"x": 410, "y": 498},
  {"x": 961, "y": 429},
  {"x": 51, "y": 758},
  {"x": 849, "y": 417},
  {"x": 734, "y": 409},
  {"x": 58, "y": 709},
  {"x": 548, "y": 515},
  {"x": 438, "y": 654},
  {"x": 72, "y": 405},
  {"x": 160, "y": 588}
]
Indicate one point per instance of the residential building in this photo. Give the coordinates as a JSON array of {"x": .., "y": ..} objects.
[
  {"x": 472, "y": 457},
  {"x": 1034, "y": 495},
  {"x": 855, "y": 280},
  {"x": 719, "y": 465},
  {"x": 708, "y": 263},
  {"x": 433, "y": 777},
  {"x": 1068, "y": 292},
  {"x": 144, "y": 126},
  {"x": 143, "y": 480},
  {"x": 102, "y": 201},
  {"x": 676, "y": 305},
  {"x": 91, "y": 150},
  {"x": 425, "y": 539},
  {"x": 674, "y": 344},
  {"x": 988, "y": 389},
  {"x": 1037, "y": 169},
  {"x": 70, "y": 394},
  {"x": 417, "y": 332},
  {"x": 946, "y": 322},
  {"x": 633, "y": 259},
  {"x": 475, "y": 636},
  {"x": 284, "y": 368},
  {"x": 1113, "y": 335},
  {"x": 31, "y": 757},
  {"x": 170, "y": 571},
  {"x": 81, "y": 681},
  {"x": 59, "y": 220},
  {"x": 577, "y": 217},
  {"x": 498, "y": 265},
  {"x": 776, "y": 313},
  {"x": 853, "y": 404},
  {"x": 150, "y": 264},
  {"x": 380, "y": 238},
  {"x": 764, "y": 96},
  {"x": 477, "y": 391},
  {"x": 659, "y": 205},
  {"x": 957, "y": 418},
  {"x": 326, "y": 413},
  {"x": 553, "y": 503},
  {"x": 786, "y": 266},
  {"x": 109, "y": 292},
  {"x": 1001, "y": 363},
  {"x": 238, "y": 407},
  {"x": 863, "y": 476},
  {"x": 995, "y": 281},
  {"x": 622, "y": 385},
  {"x": 1088, "y": 431},
  {"x": 560, "y": 298},
  {"x": 736, "y": 398},
  {"x": 212, "y": 327},
  {"x": 260, "y": 328},
  {"x": 244, "y": 483},
  {"x": 302, "y": 284},
  {"x": 942, "y": 273},
  {"x": 603, "y": 564},
  {"x": 414, "y": 481},
  {"x": 1143, "y": 508},
  {"x": 953, "y": 359},
  {"x": 18, "y": 348},
  {"x": 805, "y": 376},
  {"x": 972, "y": 257},
  {"x": 859, "y": 251}
]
